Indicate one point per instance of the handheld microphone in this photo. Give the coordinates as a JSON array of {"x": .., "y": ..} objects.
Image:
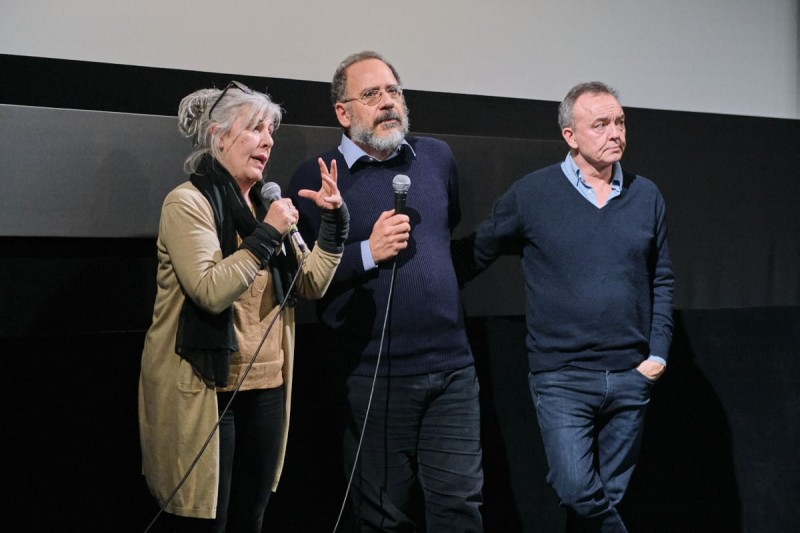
[
  {"x": 400, "y": 183},
  {"x": 270, "y": 192}
]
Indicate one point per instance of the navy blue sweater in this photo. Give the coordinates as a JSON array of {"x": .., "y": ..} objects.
[
  {"x": 425, "y": 332},
  {"x": 598, "y": 281}
]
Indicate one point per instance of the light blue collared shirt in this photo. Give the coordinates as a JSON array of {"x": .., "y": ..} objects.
[
  {"x": 575, "y": 177},
  {"x": 352, "y": 153}
]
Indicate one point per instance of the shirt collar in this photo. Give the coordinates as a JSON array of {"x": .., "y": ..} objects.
[
  {"x": 575, "y": 176},
  {"x": 352, "y": 152}
]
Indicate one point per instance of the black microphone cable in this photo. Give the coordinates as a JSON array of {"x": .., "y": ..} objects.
[
  {"x": 235, "y": 391},
  {"x": 369, "y": 401},
  {"x": 400, "y": 183}
]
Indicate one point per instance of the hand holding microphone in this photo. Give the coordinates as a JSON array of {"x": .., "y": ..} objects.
[
  {"x": 281, "y": 214},
  {"x": 391, "y": 231}
]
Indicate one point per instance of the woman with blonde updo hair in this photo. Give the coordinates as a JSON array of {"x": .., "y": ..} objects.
[{"x": 221, "y": 343}]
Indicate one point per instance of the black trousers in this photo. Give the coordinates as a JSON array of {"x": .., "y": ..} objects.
[{"x": 249, "y": 437}]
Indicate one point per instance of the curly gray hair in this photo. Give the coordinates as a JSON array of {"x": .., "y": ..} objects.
[{"x": 194, "y": 120}]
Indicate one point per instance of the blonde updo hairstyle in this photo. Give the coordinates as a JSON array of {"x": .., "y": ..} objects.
[{"x": 205, "y": 132}]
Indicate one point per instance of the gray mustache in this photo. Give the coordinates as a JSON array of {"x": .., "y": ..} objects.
[{"x": 387, "y": 115}]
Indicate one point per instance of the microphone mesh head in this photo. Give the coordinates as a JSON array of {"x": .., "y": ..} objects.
[
  {"x": 401, "y": 183},
  {"x": 270, "y": 192}
]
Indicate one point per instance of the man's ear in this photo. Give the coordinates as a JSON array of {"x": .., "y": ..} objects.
[
  {"x": 569, "y": 136},
  {"x": 342, "y": 115}
]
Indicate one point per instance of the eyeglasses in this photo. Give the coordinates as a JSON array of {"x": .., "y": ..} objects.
[
  {"x": 372, "y": 97},
  {"x": 232, "y": 85}
]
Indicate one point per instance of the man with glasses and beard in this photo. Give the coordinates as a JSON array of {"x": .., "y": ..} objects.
[{"x": 394, "y": 312}]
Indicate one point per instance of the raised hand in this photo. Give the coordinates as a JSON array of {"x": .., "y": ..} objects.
[{"x": 328, "y": 196}]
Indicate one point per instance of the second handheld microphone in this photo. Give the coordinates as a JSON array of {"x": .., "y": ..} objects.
[
  {"x": 270, "y": 192},
  {"x": 400, "y": 183}
]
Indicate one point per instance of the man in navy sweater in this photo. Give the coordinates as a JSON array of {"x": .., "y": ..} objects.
[
  {"x": 593, "y": 242},
  {"x": 394, "y": 310}
]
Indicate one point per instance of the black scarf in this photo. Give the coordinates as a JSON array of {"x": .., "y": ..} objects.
[{"x": 204, "y": 339}]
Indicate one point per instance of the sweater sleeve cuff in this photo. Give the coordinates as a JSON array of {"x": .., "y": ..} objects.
[
  {"x": 333, "y": 229},
  {"x": 262, "y": 243}
]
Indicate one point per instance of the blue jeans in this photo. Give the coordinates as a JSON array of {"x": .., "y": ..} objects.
[
  {"x": 591, "y": 424},
  {"x": 421, "y": 429}
]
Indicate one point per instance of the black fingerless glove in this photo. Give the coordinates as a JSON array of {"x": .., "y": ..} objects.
[
  {"x": 333, "y": 229},
  {"x": 262, "y": 243}
]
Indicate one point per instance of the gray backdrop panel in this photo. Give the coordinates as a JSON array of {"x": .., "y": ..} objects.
[
  {"x": 72, "y": 173},
  {"x": 76, "y": 174}
]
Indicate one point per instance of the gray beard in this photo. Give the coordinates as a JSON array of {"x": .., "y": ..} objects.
[{"x": 387, "y": 143}]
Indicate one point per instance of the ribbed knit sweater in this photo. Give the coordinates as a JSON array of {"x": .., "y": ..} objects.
[
  {"x": 598, "y": 281},
  {"x": 425, "y": 331}
]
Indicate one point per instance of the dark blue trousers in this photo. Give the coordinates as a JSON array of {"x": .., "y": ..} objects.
[{"x": 423, "y": 433}]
